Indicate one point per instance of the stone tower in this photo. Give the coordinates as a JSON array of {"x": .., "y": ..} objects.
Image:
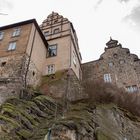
[{"x": 63, "y": 50}]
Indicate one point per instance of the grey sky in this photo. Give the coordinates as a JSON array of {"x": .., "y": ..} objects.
[
  {"x": 5, "y": 4},
  {"x": 94, "y": 20}
]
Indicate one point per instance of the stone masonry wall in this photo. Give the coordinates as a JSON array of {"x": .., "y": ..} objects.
[
  {"x": 123, "y": 67},
  {"x": 12, "y": 75}
]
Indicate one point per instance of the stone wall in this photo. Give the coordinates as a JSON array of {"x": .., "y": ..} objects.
[
  {"x": 123, "y": 67},
  {"x": 13, "y": 72}
]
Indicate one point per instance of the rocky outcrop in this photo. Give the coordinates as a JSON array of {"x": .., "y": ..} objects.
[
  {"x": 63, "y": 84},
  {"x": 42, "y": 118},
  {"x": 21, "y": 119},
  {"x": 97, "y": 122}
]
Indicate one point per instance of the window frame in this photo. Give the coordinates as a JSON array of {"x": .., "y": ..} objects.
[
  {"x": 49, "y": 53},
  {"x": 74, "y": 59},
  {"x": 50, "y": 69},
  {"x": 1, "y": 35},
  {"x": 46, "y": 34},
  {"x": 132, "y": 89},
  {"x": 107, "y": 78},
  {"x": 56, "y": 31},
  {"x": 16, "y": 32},
  {"x": 12, "y": 46}
]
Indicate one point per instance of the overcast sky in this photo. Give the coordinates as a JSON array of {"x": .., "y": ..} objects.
[{"x": 94, "y": 20}]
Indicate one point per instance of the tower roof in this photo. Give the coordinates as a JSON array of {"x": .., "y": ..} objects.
[{"x": 112, "y": 43}]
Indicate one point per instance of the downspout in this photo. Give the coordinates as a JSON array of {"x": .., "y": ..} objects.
[{"x": 25, "y": 84}]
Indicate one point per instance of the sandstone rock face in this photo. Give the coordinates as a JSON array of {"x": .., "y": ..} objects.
[
  {"x": 61, "y": 84},
  {"x": 103, "y": 122},
  {"x": 43, "y": 118}
]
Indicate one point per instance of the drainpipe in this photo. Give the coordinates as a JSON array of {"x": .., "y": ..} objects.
[{"x": 26, "y": 72}]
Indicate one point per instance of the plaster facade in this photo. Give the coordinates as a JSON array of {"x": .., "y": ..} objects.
[
  {"x": 59, "y": 31},
  {"x": 22, "y": 57}
]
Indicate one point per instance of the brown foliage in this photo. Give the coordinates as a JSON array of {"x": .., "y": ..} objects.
[{"x": 101, "y": 92}]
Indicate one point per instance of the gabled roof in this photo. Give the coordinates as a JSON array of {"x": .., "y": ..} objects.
[{"x": 24, "y": 23}]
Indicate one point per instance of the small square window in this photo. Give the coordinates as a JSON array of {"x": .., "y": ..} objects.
[
  {"x": 107, "y": 78},
  {"x": 46, "y": 34},
  {"x": 55, "y": 31},
  {"x": 12, "y": 46},
  {"x": 50, "y": 69},
  {"x": 52, "y": 50},
  {"x": 110, "y": 64},
  {"x": 1, "y": 35},
  {"x": 16, "y": 32},
  {"x": 122, "y": 61}
]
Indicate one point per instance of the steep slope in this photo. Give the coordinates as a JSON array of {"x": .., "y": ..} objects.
[{"x": 35, "y": 120}]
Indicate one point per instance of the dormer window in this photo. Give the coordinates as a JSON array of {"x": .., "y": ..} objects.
[
  {"x": 55, "y": 31},
  {"x": 1, "y": 35},
  {"x": 16, "y": 32}
]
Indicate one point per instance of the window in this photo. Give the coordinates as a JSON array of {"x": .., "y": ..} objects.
[
  {"x": 46, "y": 33},
  {"x": 115, "y": 55},
  {"x": 55, "y": 21},
  {"x": 16, "y": 32},
  {"x": 50, "y": 69},
  {"x": 74, "y": 58},
  {"x": 132, "y": 89},
  {"x": 110, "y": 64},
  {"x": 1, "y": 35},
  {"x": 52, "y": 50},
  {"x": 122, "y": 61},
  {"x": 107, "y": 78},
  {"x": 55, "y": 31},
  {"x": 12, "y": 46}
]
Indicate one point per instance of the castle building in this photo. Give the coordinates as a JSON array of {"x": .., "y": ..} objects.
[
  {"x": 116, "y": 66},
  {"x": 23, "y": 50},
  {"x": 63, "y": 49},
  {"x": 29, "y": 51}
]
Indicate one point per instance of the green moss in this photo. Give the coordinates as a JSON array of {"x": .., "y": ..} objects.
[
  {"x": 10, "y": 120},
  {"x": 102, "y": 136},
  {"x": 24, "y": 133},
  {"x": 21, "y": 112}
]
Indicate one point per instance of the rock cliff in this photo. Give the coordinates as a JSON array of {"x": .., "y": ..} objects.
[{"x": 43, "y": 118}]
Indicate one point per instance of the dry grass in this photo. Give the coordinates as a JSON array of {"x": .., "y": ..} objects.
[{"x": 101, "y": 92}]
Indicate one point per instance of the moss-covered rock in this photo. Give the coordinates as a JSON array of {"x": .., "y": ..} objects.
[{"x": 34, "y": 119}]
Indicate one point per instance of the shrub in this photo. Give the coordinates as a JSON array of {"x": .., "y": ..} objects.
[{"x": 101, "y": 92}]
